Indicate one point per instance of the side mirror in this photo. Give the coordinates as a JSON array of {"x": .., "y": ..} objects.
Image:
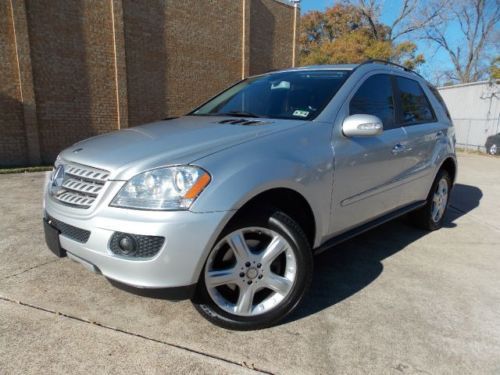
[{"x": 362, "y": 126}]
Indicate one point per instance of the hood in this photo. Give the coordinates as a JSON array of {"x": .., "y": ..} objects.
[{"x": 180, "y": 141}]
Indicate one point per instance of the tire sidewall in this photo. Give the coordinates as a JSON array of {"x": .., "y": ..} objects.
[
  {"x": 433, "y": 225},
  {"x": 286, "y": 227}
]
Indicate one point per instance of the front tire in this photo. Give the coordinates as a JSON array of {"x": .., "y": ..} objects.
[
  {"x": 256, "y": 274},
  {"x": 431, "y": 216}
]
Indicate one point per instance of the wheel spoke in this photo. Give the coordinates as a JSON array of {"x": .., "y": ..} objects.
[
  {"x": 221, "y": 277},
  {"x": 238, "y": 244},
  {"x": 278, "y": 284},
  {"x": 275, "y": 248},
  {"x": 443, "y": 187},
  {"x": 245, "y": 300},
  {"x": 435, "y": 211},
  {"x": 442, "y": 209}
]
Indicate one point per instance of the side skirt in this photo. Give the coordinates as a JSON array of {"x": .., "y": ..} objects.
[{"x": 370, "y": 225}]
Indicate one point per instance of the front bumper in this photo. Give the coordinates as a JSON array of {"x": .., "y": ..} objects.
[{"x": 188, "y": 239}]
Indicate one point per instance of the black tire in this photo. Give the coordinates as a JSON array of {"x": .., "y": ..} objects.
[
  {"x": 285, "y": 226},
  {"x": 422, "y": 217}
]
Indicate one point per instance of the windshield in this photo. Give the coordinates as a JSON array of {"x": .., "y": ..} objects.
[{"x": 298, "y": 95}]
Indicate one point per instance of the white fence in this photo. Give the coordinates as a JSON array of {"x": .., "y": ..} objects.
[
  {"x": 472, "y": 133},
  {"x": 475, "y": 110}
]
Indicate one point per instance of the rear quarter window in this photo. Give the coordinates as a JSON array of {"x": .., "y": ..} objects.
[{"x": 440, "y": 99}]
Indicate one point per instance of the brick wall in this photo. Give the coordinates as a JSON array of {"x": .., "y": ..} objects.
[
  {"x": 271, "y": 35},
  {"x": 71, "y": 53},
  {"x": 94, "y": 66},
  {"x": 203, "y": 57}
]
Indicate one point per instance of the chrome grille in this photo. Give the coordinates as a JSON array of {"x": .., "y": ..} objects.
[
  {"x": 81, "y": 185},
  {"x": 87, "y": 173}
]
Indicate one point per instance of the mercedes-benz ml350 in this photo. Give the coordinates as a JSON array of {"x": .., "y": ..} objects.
[{"x": 228, "y": 204}]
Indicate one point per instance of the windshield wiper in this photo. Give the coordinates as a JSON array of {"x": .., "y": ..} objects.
[{"x": 237, "y": 114}]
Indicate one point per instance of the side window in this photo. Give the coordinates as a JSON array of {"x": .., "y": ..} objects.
[
  {"x": 374, "y": 97},
  {"x": 415, "y": 108}
]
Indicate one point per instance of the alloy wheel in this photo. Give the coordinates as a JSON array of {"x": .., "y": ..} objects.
[
  {"x": 439, "y": 200},
  {"x": 250, "y": 271},
  {"x": 493, "y": 149}
]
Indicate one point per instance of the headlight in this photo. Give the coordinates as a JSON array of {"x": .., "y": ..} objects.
[{"x": 171, "y": 188}]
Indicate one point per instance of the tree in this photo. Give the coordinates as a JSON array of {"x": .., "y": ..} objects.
[
  {"x": 412, "y": 16},
  {"x": 468, "y": 52},
  {"x": 495, "y": 68},
  {"x": 344, "y": 34}
]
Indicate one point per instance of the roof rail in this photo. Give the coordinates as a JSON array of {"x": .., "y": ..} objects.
[{"x": 377, "y": 61}]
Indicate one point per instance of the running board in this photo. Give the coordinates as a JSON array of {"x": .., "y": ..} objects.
[{"x": 370, "y": 225}]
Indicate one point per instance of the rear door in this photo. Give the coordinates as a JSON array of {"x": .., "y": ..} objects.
[
  {"x": 418, "y": 118},
  {"x": 368, "y": 170}
]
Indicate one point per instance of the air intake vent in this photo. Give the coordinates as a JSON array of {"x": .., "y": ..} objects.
[
  {"x": 76, "y": 234},
  {"x": 243, "y": 122}
]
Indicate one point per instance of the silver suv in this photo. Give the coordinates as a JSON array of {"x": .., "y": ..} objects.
[{"x": 228, "y": 204}]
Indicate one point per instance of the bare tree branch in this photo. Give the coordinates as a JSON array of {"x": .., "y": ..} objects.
[
  {"x": 413, "y": 15},
  {"x": 476, "y": 20},
  {"x": 370, "y": 10}
]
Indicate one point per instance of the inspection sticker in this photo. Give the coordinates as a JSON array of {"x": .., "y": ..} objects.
[{"x": 300, "y": 113}]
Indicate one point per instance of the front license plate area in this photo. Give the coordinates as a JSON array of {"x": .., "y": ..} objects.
[{"x": 52, "y": 239}]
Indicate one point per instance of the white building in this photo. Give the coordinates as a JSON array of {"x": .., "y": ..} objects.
[{"x": 475, "y": 110}]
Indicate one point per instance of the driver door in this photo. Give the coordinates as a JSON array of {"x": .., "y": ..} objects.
[{"x": 369, "y": 171}]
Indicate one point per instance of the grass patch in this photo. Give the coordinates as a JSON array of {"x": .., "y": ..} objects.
[{"x": 40, "y": 168}]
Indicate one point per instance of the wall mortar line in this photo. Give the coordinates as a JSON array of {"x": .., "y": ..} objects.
[
  {"x": 25, "y": 77},
  {"x": 243, "y": 40},
  {"x": 294, "y": 42},
  {"x": 16, "y": 48},
  {"x": 119, "y": 63}
]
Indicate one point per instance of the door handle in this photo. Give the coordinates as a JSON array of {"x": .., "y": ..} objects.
[
  {"x": 439, "y": 134},
  {"x": 398, "y": 148}
]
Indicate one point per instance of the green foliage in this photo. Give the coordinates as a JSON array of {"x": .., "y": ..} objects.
[
  {"x": 341, "y": 34},
  {"x": 495, "y": 68}
]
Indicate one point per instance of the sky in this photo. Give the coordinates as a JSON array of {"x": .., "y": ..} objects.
[{"x": 389, "y": 13}]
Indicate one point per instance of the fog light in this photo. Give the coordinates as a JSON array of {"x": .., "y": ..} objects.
[
  {"x": 135, "y": 245},
  {"x": 126, "y": 244}
]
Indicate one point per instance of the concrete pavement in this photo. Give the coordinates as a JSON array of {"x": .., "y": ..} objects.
[{"x": 394, "y": 300}]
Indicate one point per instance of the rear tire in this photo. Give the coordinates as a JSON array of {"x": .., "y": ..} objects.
[
  {"x": 431, "y": 216},
  {"x": 256, "y": 274}
]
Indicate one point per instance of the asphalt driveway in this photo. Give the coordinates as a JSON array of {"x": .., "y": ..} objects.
[{"x": 395, "y": 300}]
